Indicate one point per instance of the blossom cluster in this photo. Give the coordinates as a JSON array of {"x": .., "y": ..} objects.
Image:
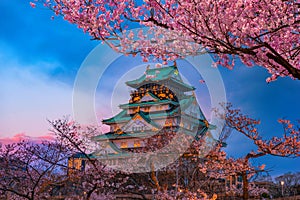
[{"x": 263, "y": 33}]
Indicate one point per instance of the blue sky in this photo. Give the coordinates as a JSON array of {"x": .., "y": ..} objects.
[{"x": 40, "y": 57}]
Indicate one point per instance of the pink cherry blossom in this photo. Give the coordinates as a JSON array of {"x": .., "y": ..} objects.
[
  {"x": 263, "y": 33},
  {"x": 32, "y": 4}
]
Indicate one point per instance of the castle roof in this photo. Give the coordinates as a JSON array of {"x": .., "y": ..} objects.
[
  {"x": 124, "y": 117},
  {"x": 148, "y": 103},
  {"x": 184, "y": 103},
  {"x": 145, "y": 134},
  {"x": 153, "y": 75}
]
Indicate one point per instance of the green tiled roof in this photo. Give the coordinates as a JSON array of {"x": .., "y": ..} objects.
[
  {"x": 124, "y": 117},
  {"x": 112, "y": 135},
  {"x": 148, "y": 119},
  {"x": 145, "y": 134},
  {"x": 188, "y": 87},
  {"x": 120, "y": 117},
  {"x": 143, "y": 104},
  {"x": 164, "y": 73},
  {"x": 145, "y": 116},
  {"x": 159, "y": 74}
]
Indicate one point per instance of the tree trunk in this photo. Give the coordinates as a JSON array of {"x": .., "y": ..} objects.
[
  {"x": 154, "y": 178},
  {"x": 245, "y": 185}
]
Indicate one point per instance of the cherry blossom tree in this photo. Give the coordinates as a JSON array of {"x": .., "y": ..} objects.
[
  {"x": 30, "y": 170},
  {"x": 263, "y": 33},
  {"x": 43, "y": 170},
  {"x": 35, "y": 171},
  {"x": 92, "y": 178},
  {"x": 214, "y": 166},
  {"x": 170, "y": 182},
  {"x": 291, "y": 182},
  {"x": 286, "y": 146}
]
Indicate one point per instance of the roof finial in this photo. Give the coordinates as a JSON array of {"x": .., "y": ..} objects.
[
  {"x": 175, "y": 64},
  {"x": 148, "y": 67}
]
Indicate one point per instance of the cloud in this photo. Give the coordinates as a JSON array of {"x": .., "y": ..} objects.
[
  {"x": 34, "y": 36},
  {"x": 39, "y": 59},
  {"x": 22, "y": 136},
  {"x": 29, "y": 97}
]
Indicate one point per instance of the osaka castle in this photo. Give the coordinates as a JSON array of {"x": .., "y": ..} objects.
[{"x": 160, "y": 106}]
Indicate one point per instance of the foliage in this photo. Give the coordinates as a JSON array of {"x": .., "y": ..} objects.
[
  {"x": 286, "y": 146},
  {"x": 263, "y": 33},
  {"x": 29, "y": 170},
  {"x": 290, "y": 182},
  {"x": 40, "y": 170}
]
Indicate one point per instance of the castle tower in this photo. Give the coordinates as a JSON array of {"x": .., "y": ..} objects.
[{"x": 160, "y": 103}]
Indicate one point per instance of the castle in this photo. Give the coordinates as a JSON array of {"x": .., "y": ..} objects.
[{"x": 161, "y": 105}]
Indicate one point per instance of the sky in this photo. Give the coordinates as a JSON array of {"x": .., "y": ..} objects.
[{"x": 41, "y": 60}]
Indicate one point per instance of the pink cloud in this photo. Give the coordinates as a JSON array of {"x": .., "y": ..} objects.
[{"x": 22, "y": 136}]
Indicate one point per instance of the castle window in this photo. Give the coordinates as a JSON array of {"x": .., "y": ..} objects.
[
  {"x": 168, "y": 122},
  {"x": 138, "y": 128},
  {"x": 137, "y": 144},
  {"x": 124, "y": 145},
  {"x": 77, "y": 164}
]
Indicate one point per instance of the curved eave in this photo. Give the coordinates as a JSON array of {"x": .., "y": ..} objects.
[
  {"x": 144, "y": 104},
  {"x": 185, "y": 87},
  {"x": 126, "y": 118},
  {"x": 120, "y": 117},
  {"x": 113, "y": 121},
  {"x": 114, "y": 136},
  {"x": 138, "y": 83},
  {"x": 164, "y": 73}
]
